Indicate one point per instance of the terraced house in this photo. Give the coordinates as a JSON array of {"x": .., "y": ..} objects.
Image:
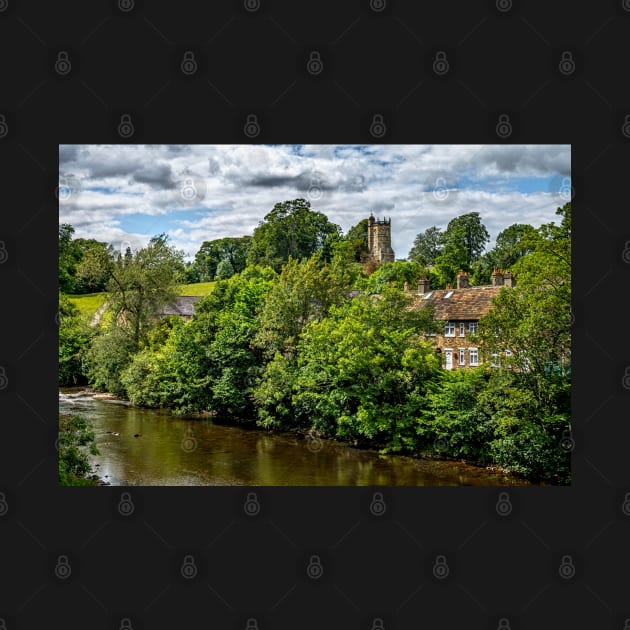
[{"x": 459, "y": 311}]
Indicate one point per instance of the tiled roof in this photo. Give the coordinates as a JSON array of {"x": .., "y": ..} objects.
[
  {"x": 471, "y": 303},
  {"x": 184, "y": 306}
]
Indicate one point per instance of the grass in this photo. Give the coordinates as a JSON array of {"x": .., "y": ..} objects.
[
  {"x": 89, "y": 303},
  {"x": 199, "y": 288}
]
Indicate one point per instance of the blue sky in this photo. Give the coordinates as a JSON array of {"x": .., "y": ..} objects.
[{"x": 129, "y": 193}]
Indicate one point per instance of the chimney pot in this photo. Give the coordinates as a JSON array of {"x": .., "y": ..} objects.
[
  {"x": 423, "y": 286},
  {"x": 497, "y": 278},
  {"x": 462, "y": 280}
]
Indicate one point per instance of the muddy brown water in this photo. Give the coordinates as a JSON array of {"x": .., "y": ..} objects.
[{"x": 184, "y": 451}]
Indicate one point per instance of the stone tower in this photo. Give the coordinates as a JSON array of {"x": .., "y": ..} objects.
[{"x": 380, "y": 240}]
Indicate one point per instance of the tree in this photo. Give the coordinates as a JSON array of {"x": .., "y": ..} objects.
[
  {"x": 533, "y": 322},
  {"x": 208, "y": 363},
  {"x": 363, "y": 370},
  {"x": 291, "y": 229},
  {"x": 74, "y": 338},
  {"x": 426, "y": 246},
  {"x": 212, "y": 253},
  {"x": 224, "y": 270},
  {"x": 68, "y": 258},
  {"x": 396, "y": 274},
  {"x": 357, "y": 236},
  {"x": 511, "y": 245},
  {"x": 303, "y": 292},
  {"x": 142, "y": 283},
  {"x": 462, "y": 243},
  {"x": 533, "y": 319},
  {"x": 94, "y": 267}
]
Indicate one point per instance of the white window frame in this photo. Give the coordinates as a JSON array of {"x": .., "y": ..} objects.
[
  {"x": 470, "y": 356},
  {"x": 449, "y": 326},
  {"x": 472, "y": 328},
  {"x": 494, "y": 359},
  {"x": 462, "y": 356},
  {"x": 462, "y": 329}
]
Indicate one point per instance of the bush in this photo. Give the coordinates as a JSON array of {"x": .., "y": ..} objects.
[
  {"x": 109, "y": 354},
  {"x": 76, "y": 440},
  {"x": 534, "y": 450}
]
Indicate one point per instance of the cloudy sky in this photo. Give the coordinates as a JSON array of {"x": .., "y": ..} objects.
[{"x": 125, "y": 194}]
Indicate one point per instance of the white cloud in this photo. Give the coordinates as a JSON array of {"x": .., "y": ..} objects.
[{"x": 235, "y": 186}]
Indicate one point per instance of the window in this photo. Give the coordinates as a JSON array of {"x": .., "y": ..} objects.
[
  {"x": 473, "y": 356},
  {"x": 462, "y": 329},
  {"x": 449, "y": 329},
  {"x": 428, "y": 295},
  {"x": 462, "y": 356},
  {"x": 494, "y": 360},
  {"x": 472, "y": 328},
  {"x": 448, "y": 295}
]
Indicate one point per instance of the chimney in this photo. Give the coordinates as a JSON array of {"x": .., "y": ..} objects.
[
  {"x": 462, "y": 280},
  {"x": 448, "y": 286},
  {"x": 497, "y": 278},
  {"x": 508, "y": 280},
  {"x": 423, "y": 286}
]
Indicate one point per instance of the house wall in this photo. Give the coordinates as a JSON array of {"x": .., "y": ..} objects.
[{"x": 457, "y": 342}]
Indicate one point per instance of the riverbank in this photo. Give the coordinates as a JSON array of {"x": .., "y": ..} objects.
[{"x": 153, "y": 447}]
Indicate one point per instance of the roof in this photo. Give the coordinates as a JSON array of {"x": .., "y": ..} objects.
[
  {"x": 469, "y": 303},
  {"x": 184, "y": 306}
]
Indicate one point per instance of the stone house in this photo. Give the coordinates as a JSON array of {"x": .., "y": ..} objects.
[
  {"x": 184, "y": 307},
  {"x": 459, "y": 311}
]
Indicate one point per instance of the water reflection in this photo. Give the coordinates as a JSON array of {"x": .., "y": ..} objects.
[{"x": 151, "y": 447}]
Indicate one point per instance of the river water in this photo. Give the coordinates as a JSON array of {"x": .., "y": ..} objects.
[{"x": 151, "y": 447}]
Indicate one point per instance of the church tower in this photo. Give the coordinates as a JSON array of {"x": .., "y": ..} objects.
[{"x": 380, "y": 240}]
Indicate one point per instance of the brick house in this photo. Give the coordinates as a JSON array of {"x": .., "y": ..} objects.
[{"x": 459, "y": 310}]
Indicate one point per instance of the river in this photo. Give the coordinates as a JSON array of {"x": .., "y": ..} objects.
[{"x": 151, "y": 447}]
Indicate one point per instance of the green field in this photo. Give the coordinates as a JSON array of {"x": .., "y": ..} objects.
[
  {"x": 89, "y": 303},
  {"x": 200, "y": 288}
]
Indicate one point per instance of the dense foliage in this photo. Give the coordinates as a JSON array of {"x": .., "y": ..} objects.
[
  {"x": 306, "y": 341},
  {"x": 75, "y": 442}
]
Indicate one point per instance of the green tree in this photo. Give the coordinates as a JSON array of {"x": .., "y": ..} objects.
[
  {"x": 212, "y": 253},
  {"x": 224, "y": 270},
  {"x": 426, "y": 246},
  {"x": 74, "y": 339},
  {"x": 69, "y": 257},
  {"x": 94, "y": 267},
  {"x": 207, "y": 364},
  {"x": 462, "y": 243},
  {"x": 357, "y": 236},
  {"x": 396, "y": 274},
  {"x": 511, "y": 245},
  {"x": 108, "y": 355},
  {"x": 303, "y": 292},
  {"x": 291, "y": 229},
  {"x": 529, "y": 332},
  {"x": 142, "y": 283},
  {"x": 533, "y": 320},
  {"x": 363, "y": 370}
]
